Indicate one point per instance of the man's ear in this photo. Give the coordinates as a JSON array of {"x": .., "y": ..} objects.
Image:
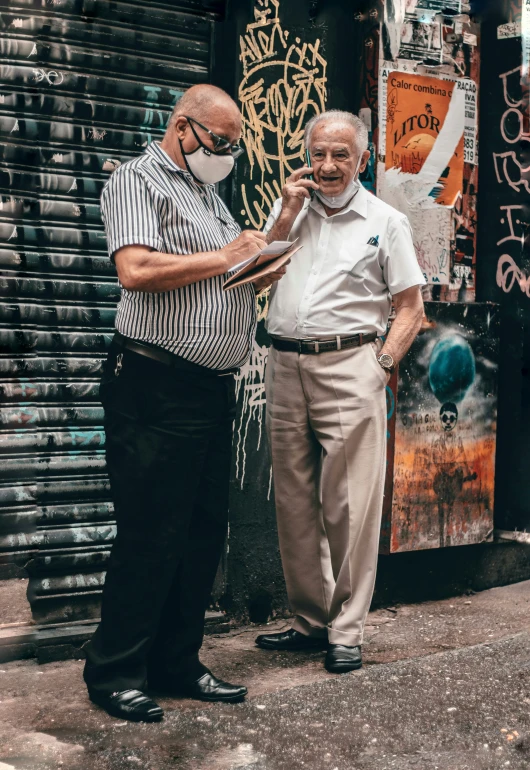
[
  {"x": 180, "y": 125},
  {"x": 364, "y": 161}
]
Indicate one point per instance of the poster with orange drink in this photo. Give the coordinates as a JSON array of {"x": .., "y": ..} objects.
[{"x": 416, "y": 109}]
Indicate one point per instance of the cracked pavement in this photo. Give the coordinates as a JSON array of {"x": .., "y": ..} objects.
[{"x": 445, "y": 686}]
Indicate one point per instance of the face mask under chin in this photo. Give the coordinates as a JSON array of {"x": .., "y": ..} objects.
[
  {"x": 343, "y": 198},
  {"x": 207, "y": 167}
]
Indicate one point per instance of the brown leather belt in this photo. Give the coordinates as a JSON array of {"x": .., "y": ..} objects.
[
  {"x": 313, "y": 346},
  {"x": 169, "y": 359}
]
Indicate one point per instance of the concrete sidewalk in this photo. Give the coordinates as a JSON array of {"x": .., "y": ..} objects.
[{"x": 446, "y": 686}]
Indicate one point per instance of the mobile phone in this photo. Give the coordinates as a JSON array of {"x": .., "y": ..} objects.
[{"x": 309, "y": 176}]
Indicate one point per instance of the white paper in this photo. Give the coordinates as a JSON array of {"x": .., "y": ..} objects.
[
  {"x": 512, "y": 29},
  {"x": 432, "y": 228},
  {"x": 470, "y": 119},
  {"x": 274, "y": 249},
  {"x": 433, "y": 235},
  {"x": 243, "y": 264}
]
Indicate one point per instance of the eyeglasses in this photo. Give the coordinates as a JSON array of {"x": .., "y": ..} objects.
[{"x": 221, "y": 146}]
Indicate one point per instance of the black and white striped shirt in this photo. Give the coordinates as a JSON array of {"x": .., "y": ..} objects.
[{"x": 150, "y": 201}]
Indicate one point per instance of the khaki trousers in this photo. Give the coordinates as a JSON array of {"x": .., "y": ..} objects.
[{"x": 326, "y": 423}]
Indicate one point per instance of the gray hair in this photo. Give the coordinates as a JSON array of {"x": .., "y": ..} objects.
[{"x": 340, "y": 116}]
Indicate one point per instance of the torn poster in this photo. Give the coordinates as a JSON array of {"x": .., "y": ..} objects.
[
  {"x": 433, "y": 228},
  {"x": 417, "y": 107},
  {"x": 423, "y": 9},
  {"x": 511, "y": 29},
  {"x": 420, "y": 40},
  {"x": 433, "y": 236},
  {"x": 413, "y": 28},
  {"x": 392, "y": 28},
  {"x": 388, "y": 68}
]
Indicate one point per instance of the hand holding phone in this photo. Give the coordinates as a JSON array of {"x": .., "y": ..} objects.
[
  {"x": 298, "y": 188},
  {"x": 309, "y": 176}
]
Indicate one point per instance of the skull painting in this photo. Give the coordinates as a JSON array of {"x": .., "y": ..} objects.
[{"x": 448, "y": 415}]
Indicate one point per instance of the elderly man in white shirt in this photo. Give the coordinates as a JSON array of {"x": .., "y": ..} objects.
[{"x": 330, "y": 361}]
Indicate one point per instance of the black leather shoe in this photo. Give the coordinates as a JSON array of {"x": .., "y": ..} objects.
[
  {"x": 133, "y": 705},
  {"x": 207, "y": 688},
  {"x": 291, "y": 641},
  {"x": 340, "y": 659}
]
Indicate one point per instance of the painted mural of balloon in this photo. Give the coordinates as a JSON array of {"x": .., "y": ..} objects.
[{"x": 452, "y": 372}]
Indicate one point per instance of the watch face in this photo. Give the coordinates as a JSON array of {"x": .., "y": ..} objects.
[{"x": 386, "y": 361}]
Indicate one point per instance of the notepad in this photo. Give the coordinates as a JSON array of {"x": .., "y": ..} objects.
[{"x": 268, "y": 260}]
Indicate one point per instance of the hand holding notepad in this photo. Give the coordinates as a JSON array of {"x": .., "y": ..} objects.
[{"x": 268, "y": 260}]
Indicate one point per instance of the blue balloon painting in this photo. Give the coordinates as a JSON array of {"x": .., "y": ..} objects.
[{"x": 451, "y": 369}]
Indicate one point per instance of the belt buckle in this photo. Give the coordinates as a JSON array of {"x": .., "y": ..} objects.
[{"x": 309, "y": 343}]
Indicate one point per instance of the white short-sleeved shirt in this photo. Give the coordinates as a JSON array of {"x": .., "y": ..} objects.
[{"x": 351, "y": 263}]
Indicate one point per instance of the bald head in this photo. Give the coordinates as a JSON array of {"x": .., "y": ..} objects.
[
  {"x": 206, "y": 103},
  {"x": 214, "y": 109}
]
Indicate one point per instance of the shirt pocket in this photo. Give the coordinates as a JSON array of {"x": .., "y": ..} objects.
[
  {"x": 230, "y": 225},
  {"x": 359, "y": 261}
]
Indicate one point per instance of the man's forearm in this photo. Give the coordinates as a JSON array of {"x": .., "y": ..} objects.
[
  {"x": 403, "y": 331},
  {"x": 282, "y": 227},
  {"x": 155, "y": 272}
]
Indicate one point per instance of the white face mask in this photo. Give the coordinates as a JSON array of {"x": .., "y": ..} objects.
[
  {"x": 343, "y": 198},
  {"x": 206, "y": 166}
]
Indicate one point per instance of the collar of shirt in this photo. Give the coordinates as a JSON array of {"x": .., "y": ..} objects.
[{"x": 358, "y": 204}]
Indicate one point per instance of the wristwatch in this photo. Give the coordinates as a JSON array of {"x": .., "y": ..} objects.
[{"x": 387, "y": 362}]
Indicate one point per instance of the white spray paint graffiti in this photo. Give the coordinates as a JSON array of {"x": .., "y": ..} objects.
[
  {"x": 251, "y": 381},
  {"x": 282, "y": 86},
  {"x": 512, "y": 171},
  {"x": 52, "y": 77}
]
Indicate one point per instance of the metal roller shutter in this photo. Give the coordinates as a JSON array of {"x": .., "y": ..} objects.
[{"x": 86, "y": 85}]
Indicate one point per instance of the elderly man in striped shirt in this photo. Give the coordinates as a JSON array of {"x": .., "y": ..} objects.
[{"x": 169, "y": 396}]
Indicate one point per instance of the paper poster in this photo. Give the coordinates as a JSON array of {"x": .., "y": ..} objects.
[
  {"x": 511, "y": 29},
  {"x": 433, "y": 237},
  {"x": 384, "y": 72},
  {"x": 433, "y": 229},
  {"x": 444, "y": 456},
  {"x": 470, "y": 119},
  {"x": 420, "y": 40},
  {"x": 386, "y": 69},
  {"x": 413, "y": 28},
  {"x": 432, "y": 7},
  {"x": 416, "y": 108}
]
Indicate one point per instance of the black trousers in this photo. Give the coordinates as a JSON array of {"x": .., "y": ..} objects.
[{"x": 169, "y": 439}]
